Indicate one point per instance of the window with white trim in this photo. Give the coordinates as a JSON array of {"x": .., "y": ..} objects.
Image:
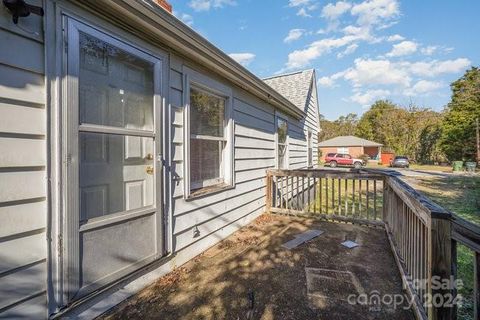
[
  {"x": 207, "y": 138},
  {"x": 282, "y": 143},
  {"x": 209, "y": 160},
  {"x": 309, "y": 149},
  {"x": 343, "y": 150}
]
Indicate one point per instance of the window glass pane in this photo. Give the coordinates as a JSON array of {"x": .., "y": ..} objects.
[
  {"x": 114, "y": 173},
  {"x": 205, "y": 162},
  {"x": 309, "y": 149},
  {"x": 207, "y": 114},
  {"x": 282, "y": 156},
  {"x": 282, "y": 130},
  {"x": 116, "y": 88}
]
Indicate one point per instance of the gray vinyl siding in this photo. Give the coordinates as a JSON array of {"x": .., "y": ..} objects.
[
  {"x": 298, "y": 132},
  {"x": 254, "y": 141},
  {"x": 23, "y": 207},
  {"x": 312, "y": 120},
  {"x": 254, "y": 148}
]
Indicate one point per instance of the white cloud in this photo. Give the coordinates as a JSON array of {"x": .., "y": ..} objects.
[
  {"x": 349, "y": 50},
  {"x": 368, "y": 72},
  {"x": 303, "y": 13},
  {"x": 374, "y": 12},
  {"x": 366, "y": 98},
  {"x": 423, "y": 87},
  {"x": 395, "y": 38},
  {"x": 333, "y": 11},
  {"x": 205, "y": 5},
  {"x": 305, "y": 6},
  {"x": 397, "y": 76},
  {"x": 331, "y": 26},
  {"x": 403, "y": 48},
  {"x": 326, "y": 82},
  {"x": 434, "y": 68},
  {"x": 330, "y": 81},
  {"x": 293, "y": 35},
  {"x": 243, "y": 58},
  {"x": 360, "y": 33},
  {"x": 428, "y": 50},
  {"x": 450, "y": 66},
  {"x": 302, "y": 58},
  {"x": 297, "y": 3},
  {"x": 187, "y": 19}
]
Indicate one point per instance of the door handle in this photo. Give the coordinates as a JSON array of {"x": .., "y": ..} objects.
[
  {"x": 149, "y": 156},
  {"x": 149, "y": 170}
]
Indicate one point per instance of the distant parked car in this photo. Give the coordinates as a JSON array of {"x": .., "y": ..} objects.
[
  {"x": 341, "y": 159},
  {"x": 400, "y": 162}
]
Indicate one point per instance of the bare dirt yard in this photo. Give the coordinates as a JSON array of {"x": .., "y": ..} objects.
[{"x": 251, "y": 276}]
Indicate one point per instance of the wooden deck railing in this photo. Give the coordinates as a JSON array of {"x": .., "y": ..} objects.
[
  {"x": 468, "y": 234},
  {"x": 423, "y": 236},
  {"x": 332, "y": 194}
]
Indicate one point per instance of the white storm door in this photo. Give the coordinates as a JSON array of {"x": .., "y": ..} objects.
[{"x": 113, "y": 214}]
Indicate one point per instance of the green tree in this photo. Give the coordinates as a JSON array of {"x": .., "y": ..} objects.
[
  {"x": 368, "y": 124},
  {"x": 343, "y": 126},
  {"x": 401, "y": 129},
  {"x": 429, "y": 139},
  {"x": 458, "y": 127},
  {"x": 391, "y": 130}
]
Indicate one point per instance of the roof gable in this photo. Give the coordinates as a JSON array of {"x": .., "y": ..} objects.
[
  {"x": 348, "y": 141},
  {"x": 293, "y": 86}
]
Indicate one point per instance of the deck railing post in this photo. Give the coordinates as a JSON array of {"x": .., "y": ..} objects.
[
  {"x": 268, "y": 192},
  {"x": 439, "y": 262},
  {"x": 386, "y": 199}
]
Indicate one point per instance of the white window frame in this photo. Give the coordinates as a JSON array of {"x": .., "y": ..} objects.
[
  {"x": 309, "y": 146},
  {"x": 279, "y": 115},
  {"x": 200, "y": 82},
  {"x": 343, "y": 150}
]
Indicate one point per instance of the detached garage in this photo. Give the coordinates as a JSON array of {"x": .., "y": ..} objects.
[{"x": 352, "y": 145}]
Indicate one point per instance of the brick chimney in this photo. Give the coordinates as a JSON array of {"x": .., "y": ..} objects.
[{"x": 164, "y": 5}]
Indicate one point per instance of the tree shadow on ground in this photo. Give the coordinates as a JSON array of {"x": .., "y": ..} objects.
[{"x": 219, "y": 283}]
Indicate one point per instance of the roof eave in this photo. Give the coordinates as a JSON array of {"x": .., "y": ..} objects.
[{"x": 179, "y": 37}]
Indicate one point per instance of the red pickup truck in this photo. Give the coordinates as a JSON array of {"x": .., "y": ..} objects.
[{"x": 340, "y": 159}]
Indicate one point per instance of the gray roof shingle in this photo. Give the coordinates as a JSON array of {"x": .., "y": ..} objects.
[
  {"x": 293, "y": 86},
  {"x": 348, "y": 141}
]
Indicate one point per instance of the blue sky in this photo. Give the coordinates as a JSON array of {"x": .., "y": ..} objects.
[{"x": 405, "y": 51}]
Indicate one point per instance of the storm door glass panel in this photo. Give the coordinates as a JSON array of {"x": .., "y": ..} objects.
[
  {"x": 116, "y": 87},
  {"x": 114, "y": 174}
]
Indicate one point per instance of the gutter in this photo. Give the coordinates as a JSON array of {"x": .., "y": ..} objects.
[{"x": 165, "y": 29}]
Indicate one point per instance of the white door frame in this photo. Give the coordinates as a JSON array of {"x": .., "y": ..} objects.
[{"x": 69, "y": 150}]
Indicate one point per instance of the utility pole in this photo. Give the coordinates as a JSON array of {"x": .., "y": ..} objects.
[{"x": 478, "y": 143}]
